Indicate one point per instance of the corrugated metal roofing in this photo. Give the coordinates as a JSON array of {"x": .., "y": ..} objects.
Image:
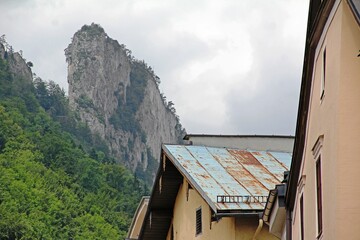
[{"x": 235, "y": 173}]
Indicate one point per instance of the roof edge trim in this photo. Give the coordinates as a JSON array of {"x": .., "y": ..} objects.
[
  {"x": 355, "y": 10},
  {"x": 187, "y": 136},
  {"x": 189, "y": 179}
]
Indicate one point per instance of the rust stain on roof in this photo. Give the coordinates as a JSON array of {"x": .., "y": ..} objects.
[
  {"x": 220, "y": 171},
  {"x": 245, "y": 157}
]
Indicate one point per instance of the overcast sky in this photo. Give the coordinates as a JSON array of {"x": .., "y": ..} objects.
[{"x": 230, "y": 66}]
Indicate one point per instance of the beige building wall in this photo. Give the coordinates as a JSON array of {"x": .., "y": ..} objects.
[
  {"x": 184, "y": 218},
  {"x": 184, "y": 221},
  {"x": 348, "y": 167},
  {"x": 333, "y": 132},
  {"x": 246, "y": 227}
]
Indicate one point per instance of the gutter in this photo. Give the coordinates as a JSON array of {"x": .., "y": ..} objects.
[
  {"x": 288, "y": 225},
  {"x": 269, "y": 205},
  {"x": 220, "y": 215},
  {"x": 258, "y": 230}
]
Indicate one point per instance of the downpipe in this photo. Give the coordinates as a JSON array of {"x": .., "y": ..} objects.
[{"x": 261, "y": 223}]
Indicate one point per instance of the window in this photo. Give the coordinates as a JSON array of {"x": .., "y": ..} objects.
[
  {"x": 302, "y": 217},
  {"x": 172, "y": 232},
  {"x": 198, "y": 221},
  {"x": 319, "y": 196},
  {"x": 317, "y": 149},
  {"x": 323, "y": 74}
]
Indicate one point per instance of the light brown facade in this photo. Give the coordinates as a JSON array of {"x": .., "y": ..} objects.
[
  {"x": 328, "y": 176},
  {"x": 184, "y": 221}
]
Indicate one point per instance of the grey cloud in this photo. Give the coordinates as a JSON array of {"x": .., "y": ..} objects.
[
  {"x": 16, "y": 4},
  {"x": 272, "y": 110},
  {"x": 269, "y": 107}
]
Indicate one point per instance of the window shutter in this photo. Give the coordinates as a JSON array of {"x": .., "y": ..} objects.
[{"x": 198, "y": 221}]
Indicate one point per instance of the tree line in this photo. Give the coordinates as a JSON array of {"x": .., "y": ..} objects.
[{"x": 57, "y": 180}]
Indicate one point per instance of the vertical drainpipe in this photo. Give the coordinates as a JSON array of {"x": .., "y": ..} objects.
[
  {"x": 261, "y": 222},
  {"x": 288, "y": 221},
  {"x": 288, "y": 225}
]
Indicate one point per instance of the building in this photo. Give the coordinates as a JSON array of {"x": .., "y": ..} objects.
[
  {"x": 323, "y": 188},
  {"x": 212, "y": 192},
  {"x": 138, "y": 219}
]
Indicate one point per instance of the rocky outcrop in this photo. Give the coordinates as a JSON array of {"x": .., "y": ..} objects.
[
  {"x": 98, "y": 71},
  {"x": 17, "y": 64},
  {"x": 119, "y": 99},
  {"x": 160, "y": 124}
]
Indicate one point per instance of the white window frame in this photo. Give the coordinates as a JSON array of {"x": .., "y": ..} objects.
[{"x": 317, "y": 154}]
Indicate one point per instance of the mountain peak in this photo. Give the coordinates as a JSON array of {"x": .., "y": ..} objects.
[
  {"x": 91, "y": 30},
  {"x": 118, "y": 97}
]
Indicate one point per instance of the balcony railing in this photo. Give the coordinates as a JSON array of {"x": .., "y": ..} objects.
[{"x": 241, "y": 199}]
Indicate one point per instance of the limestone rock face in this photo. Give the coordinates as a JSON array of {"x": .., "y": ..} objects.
[
  {"x": 119, "y": 99},
  {"x": 17, "y": 64},
  {"x": 98, "y": 71},
  {"x": 159, "y": 123}
]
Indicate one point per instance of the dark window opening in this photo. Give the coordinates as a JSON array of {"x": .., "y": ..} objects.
[
  {"x": 324, "y": 65},
  {"x": 172, "y": 232},
  {"x": 319, "y": 196},
  {"x": 323, "y": 74},
  {"x": 302, "y": 217}
]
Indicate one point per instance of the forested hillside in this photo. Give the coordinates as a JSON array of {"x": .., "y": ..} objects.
[{"x": 57, "y": 180}]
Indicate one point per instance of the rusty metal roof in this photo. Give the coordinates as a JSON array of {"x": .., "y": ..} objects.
[{"x": 230, "y": 179}]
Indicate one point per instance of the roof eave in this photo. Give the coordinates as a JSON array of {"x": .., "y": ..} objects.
[
  {"x": 150, "y": 203},
  {"x": 355, "y": 10},
  {"x": 152, "y": 207},
  {"x": 315, "y": 27},
  {"x": 188, "y": 136},
  {"x": 238, "y": 213}
]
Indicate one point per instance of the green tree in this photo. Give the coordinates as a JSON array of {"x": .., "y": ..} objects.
[{"x": 55, "y": 183}]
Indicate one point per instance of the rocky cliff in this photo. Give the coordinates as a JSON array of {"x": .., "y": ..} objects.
[
  {"x": 118, "y": 97},
  {"x": 16, "y": 64}
]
